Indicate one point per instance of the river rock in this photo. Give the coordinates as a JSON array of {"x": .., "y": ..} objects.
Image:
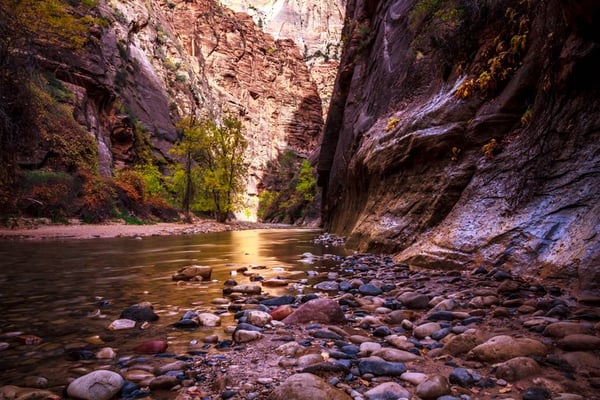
[
  {"x": 317, "y": 310},
  {"x": 4, "y": 346},
  {"x": 414, "y": 378},
  {"x": 502, "y": 348},
  {"x": 258, "y": 318},
  {"x": 379, "y": 367},
  {"x": 281, "y": 312},
  {"x": 140, "y": 312},
  {"x": 434, "y": 387},
  {"x": 579, "y": 342},
  {"x": 426, "y": 329},
  {"x": 463, "y": 377},
  {"x": 369, "y": 290},
  {"x": 245, "y": 336},
  {"x": 151, "y": 347},
  {"x": 196, "y": 272},
  {"x": 121, "y": 324},
  {"x": 564, "y": 328},
  {"x": 244, "y": 289},
  {"x": 414, "y": 300},
  {"x": 400, "y": 342},
  {"x": 10, "y": 392},
  {"x": 97, "y": 385},
  {"x": 307, "y": 386},
  {"x": 517, "y": 368},
  {"x": 106, "y": 353},
  {"x": 581, "y": 360},
  {"x": 164, "y": 382},
  {"x": 397, "y": 316},
  {"x": 177, "y": 365},
  {"x": 396, "y": 355},
  {"x": 278, "y": 301},
  {"x": 139, "y": 375},
  {"x": 209, "y": 320},
  {"x": 327, "y": 286},
  {"x": 387, "y": 391},
  {"x": 536, "y": 393}
]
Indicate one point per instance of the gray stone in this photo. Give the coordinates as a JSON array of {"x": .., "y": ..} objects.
[
  {"x": 396, "y": 355},
  {"x": 258, "y": 318},
  {"x": 378, "y": 367},
  {"x": 97, "y": 385},
  {"x": 327, "y": 286},
  {"x": 141, "y": 312},
  {"x": 121, "y": 324},
  {"x": 208, "y": 319}
]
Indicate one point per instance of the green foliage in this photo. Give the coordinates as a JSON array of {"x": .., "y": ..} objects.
[
  {"x": 292, "y": 193},
  {"x": 307, "y": 183},
  {"x": 212, "y": 172}
]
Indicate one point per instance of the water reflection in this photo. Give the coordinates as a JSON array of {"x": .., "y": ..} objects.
[{"x": 51, "y": 288}]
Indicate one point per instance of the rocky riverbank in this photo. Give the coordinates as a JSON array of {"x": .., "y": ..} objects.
[{"x": 372, "y": 330}]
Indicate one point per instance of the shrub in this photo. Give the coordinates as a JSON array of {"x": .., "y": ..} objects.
[{"x": 98, "y": 198}]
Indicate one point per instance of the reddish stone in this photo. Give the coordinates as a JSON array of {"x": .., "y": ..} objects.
[
  {"x": 151, "y": 347},
  {"x": 317, "y": 310},
  {"x": 281, "y": 312},
  {"x": 29, "y": 339}
]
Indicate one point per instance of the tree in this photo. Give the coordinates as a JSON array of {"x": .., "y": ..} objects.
[{"x": 212, "y": 172}]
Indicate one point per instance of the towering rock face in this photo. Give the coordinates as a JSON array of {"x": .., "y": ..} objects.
[
  {"x": 466, "y": 133},
  {"x": 315, "y": 27},
  {"x": 153, "y": 62}
]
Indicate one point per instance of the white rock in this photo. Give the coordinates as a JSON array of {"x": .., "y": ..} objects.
[
  {"x": 97, "y": 385},
  {"x": 120, "y": 324},
  {"x": 208, "y": 319}
]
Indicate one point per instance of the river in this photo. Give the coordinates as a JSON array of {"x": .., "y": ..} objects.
[{"x": 68, "y": 292}]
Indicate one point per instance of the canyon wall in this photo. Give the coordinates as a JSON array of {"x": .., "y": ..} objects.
[
  {"x": 465, "y": 134},
  {"x": 149, "y": 64}
]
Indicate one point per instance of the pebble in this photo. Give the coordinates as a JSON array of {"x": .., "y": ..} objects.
[
  {"x": 307, "y": 386},
  {"x": 378, "y": 367},
  {"x": 140, "y": 312},
  {"x": 121, "y": 324},
  {"x": 427, "y": 329},
  {"x": 503, "y": 347},
  {"x": 209, "y": 320}
]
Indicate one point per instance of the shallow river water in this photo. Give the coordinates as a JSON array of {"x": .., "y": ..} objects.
[{"x": 68, "y": 292}]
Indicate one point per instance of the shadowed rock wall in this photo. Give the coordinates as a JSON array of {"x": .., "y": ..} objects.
[{"x": 427, "y": 157}]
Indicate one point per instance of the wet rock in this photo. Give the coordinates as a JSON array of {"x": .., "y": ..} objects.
[
  {"x": 387, "y": 391},
  {"x": 426, "y": 329},
  {"x": 327, "y": 286},
  {"x": 379, "y": 367},
  {"x": 307, "y": 386},
  {"x": 369, "y": 290},
  {"x": 106, "y": 353},
  {"x": 97, "y": 385},
  {"x": 164, "y": 382},
  {"x": 536, "y": 393},
  {"x": 245, "y": 336},
  {"x": 10, "y": 392},
  {"x": 121, "y": 324},
  {"x": 434, "y": 387},
  {"x": 258, "y": 318},
  {"x": 578, "y": 342},
  {"x": 139, "y": 375},
  {"x": 209, "y": 320},
  {"x": 38, "y": 382},
  {"x": 281, "y": 312},
  {"x": 174, "y": 366},
  {"x": 188, "y": 321},
  {"x": 151, "y": 347},
  {"x": 195, "y": 272},
  {"x": 442, "y": 333},
  {"x": 278, "y": 301},
  {"x": 140, "y": 312},
  {"x": 414, "y": 300},
  {"x": 517, "y": 368},
  {"x": 392, "y": 354},
  {"x": 244, "y": 289},
  {"x": 463, "y": 377},
  {"x": 503, "y": 348},
  {"x": 317, "y": 310},
  {"x": 275, "y": 282}
]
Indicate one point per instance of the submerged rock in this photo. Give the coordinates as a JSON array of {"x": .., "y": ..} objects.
[
  {"x": 305, "y": 386},
  {"x": 141, "y": 312},
  {"x": 193, "y": 272}
]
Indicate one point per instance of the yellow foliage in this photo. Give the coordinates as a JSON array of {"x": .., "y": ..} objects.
[
  {"x": 489, "y": 148},
  {"x": 466, "y": 89},
  {"x": 391, "y": 124}
]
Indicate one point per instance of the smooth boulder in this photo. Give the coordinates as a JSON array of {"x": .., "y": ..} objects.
[
  {"x": 503, "y": 347},
  {"x": 317, "y": 310},
  {"x": 193, "y": 272},
  {"x": 97, "y": 385}
]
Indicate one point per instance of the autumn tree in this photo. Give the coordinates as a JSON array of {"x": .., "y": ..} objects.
[{"x": 212, "y": 172}]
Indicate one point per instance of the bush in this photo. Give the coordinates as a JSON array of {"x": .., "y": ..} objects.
[{"x": 98, "y": 198}]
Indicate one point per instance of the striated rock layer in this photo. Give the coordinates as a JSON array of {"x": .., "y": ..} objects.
[{"x": 466, "y": 133}]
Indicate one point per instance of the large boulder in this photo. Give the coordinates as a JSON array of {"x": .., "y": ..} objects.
[
  {"x": 317, "y": 310},
  {"x": 97, "y": 385},
  {"x": 307, "y": 386}
]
